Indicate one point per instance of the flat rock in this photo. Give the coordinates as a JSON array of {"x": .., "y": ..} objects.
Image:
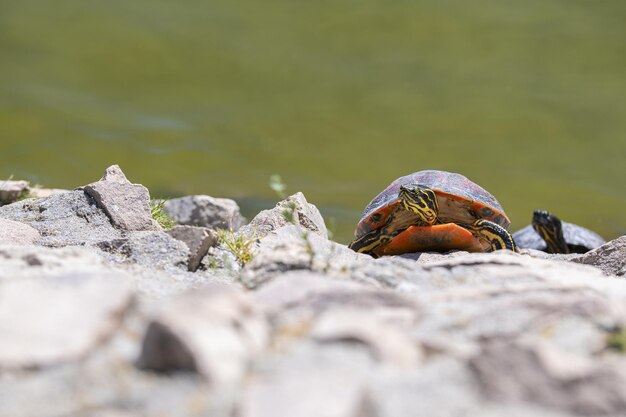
[
  {"x": 610, "y": 257},
  {"x": 65, "y": 219},
  {"x": 293, "y": 210},
  {"x": 339, "y": 311},
  {"x": 17, "y": 233},
  {"x": 126, "y": 204},
  {"x": 61, "y": 318},
  {"x": 10, "y": 190},
  {"x": 215, "y": 331},
  {"x": 20, "y": 262},
  {"x": 197, "y": 239},
  {"x": 536, "y": 372},
  {"x": 310, "y": 381},
  {"x": 205, "y": 211},
  {"x": 37, "y": 192}
]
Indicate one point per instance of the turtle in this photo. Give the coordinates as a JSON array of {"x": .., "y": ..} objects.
[
  {"x": 432, "y": 210},
  {"x": 548, "y": 233}
]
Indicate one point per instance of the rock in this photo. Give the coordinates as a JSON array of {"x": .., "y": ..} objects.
[
  {"x": 60, "y": 319},
  {"x": 126, "y": 204},
  {"x": 386, "y": 342},
  {"x": 10, "y": 191},
  {"x": 304, "y": 214},
  {"x": 156, "y": 250},
  {"x": 22, "y": 262},
  {"x": 538, "y": 373},
  {"x": 303, "y": 295},
  {"x": 17, "y": 233},
  {"x": 219, "y": 258},
  {"x": 37, "y": 192},
  {"x": 197, "y": 239},
  {"x": 340, "y": 311},
  {"x": 610, "y": 257},
  {"x": 215, "y": 332},
  {"x": 66, "y": 219},
  {"x": 310, "y": 381},
  {"x": 205, "y": 211},
  {"x": 294, "y": 248}
]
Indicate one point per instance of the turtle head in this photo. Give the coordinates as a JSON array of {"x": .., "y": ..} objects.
[
  {"x": 419, "y": 200},
  {"x": 550, "y": 229}
]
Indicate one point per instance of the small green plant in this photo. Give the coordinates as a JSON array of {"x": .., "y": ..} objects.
[
  {"x": 158, "y": 213},
  {"x": 616, "y": 340},
  {"x": 239, "y": 245}
]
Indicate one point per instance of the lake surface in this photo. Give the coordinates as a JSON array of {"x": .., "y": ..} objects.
[{"x": 528, "y": 99}]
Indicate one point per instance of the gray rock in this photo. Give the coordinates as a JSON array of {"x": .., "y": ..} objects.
[
  {"x": 304, "y": 295},
  {"x": 197, "y": 239},
  {"x": 219, "y": 258},
  {"x": 205, "y": 211},
  {"x": 61, "y": 318},
  {"x": 310, "y": 381},
  {"x": 539, "y": 373},
  {"x": 17, "y": 233},
  {"x": 157, "y": 250},
  {"x": 441, "y": 387},
  {"x": 294, "y": 248},
  {"x": 295, "y": 208},
  {"x": 388, "y": 343},
  {"x": 339, "y": 311},
  {"x": 216, "y": 332},
  {"x": 610, "y": 257},
  {"x": 20, "y": 262},
  {"x": 126, "y": 204},
  {"x": 10, "y": 191},
  {"x": 66, "y": 219}
]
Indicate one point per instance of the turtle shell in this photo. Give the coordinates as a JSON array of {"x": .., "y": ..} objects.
[
  {"x": 460, "y": 201},
  {"x": 578, "y": 238}
]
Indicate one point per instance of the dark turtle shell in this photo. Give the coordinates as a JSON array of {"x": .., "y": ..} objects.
[
  {"x": 578, "y": 238},
  {"x": 460, "y": 201}
]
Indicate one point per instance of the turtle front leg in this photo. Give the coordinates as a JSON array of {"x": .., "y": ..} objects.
[
  {"x": 497, "y": 236},
  {"x": 371, "y": 241}
]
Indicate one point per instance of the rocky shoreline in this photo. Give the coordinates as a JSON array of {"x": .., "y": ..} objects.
[{"x": 105, "y": 313}]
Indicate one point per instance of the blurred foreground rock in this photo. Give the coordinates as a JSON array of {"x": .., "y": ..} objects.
[{"x": 99, "y": 317}]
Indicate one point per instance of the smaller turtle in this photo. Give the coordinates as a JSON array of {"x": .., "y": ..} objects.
[{"x": 549, "y": 234}]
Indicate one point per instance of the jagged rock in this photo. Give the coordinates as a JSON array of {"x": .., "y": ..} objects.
[
  {"x": 66, "y": 219},
  {"x": 610, "y": 257},
  {"x": 205, "y": 211},
  {"x": 296, "y": 206},
  {"x": 197, "y": 239},
  {"x": 10, "y": 191},
  {"x": 157, "y": 250},
  {"x": 126, "y": 204},
  {"x": 538, "y": 373},
  {"x": 17, "y": 233},
  {"x": 311, "y": 381},
  {"x": 216, "y": 332},
  {"x": 294, "y": 248},
  {"x": 219, "y": 258},
  {"x": 45, "y": 322}
]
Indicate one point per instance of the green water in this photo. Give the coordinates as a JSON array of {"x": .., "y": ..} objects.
[{"x": 527, "y": 98}]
